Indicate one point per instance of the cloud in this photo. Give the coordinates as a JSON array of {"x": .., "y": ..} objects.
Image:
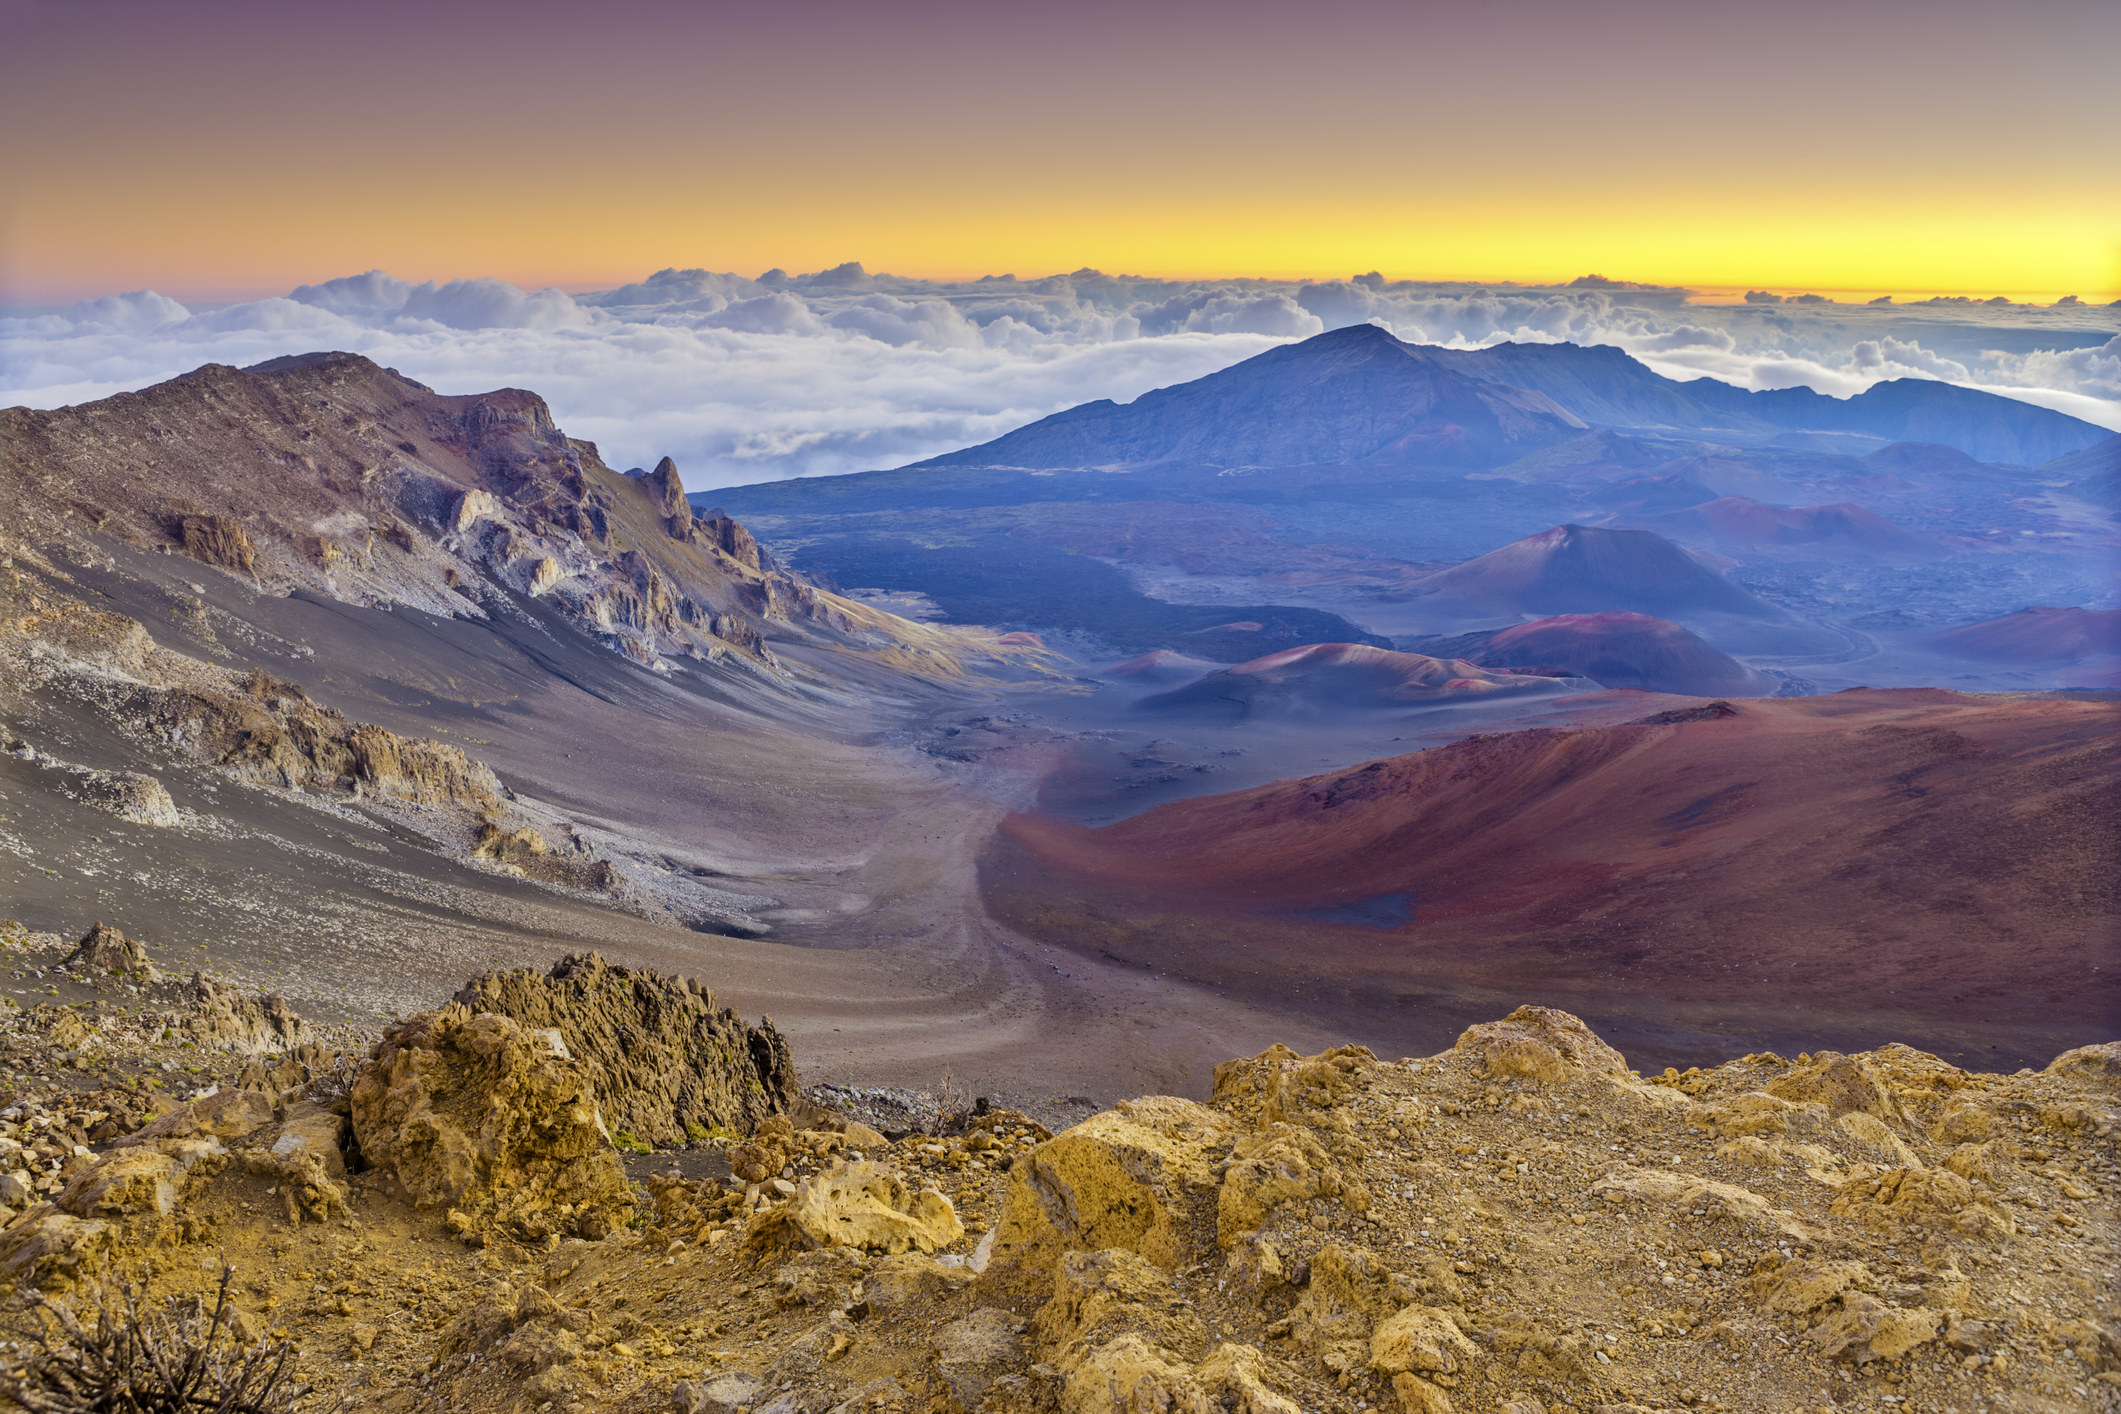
[
  {"x": 139, "y": 312},
  {"x": 748, "y": 380},
  {"x": 459, "y": 304}
]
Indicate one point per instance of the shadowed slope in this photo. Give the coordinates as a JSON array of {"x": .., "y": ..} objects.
[{"x": 2038, "y": 635}]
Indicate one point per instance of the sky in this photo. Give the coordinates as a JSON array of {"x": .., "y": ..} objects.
[
  {"x": 481, "y": 195},
  {"x": 218, "y": 150}
]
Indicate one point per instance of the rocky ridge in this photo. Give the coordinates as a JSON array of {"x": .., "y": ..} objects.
[
  {"x": 1520, "y": 1225},
  {"x": 327, "y": 474}
]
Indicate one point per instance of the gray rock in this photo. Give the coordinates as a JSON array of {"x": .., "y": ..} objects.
[{"x": 717, "y": 1394}]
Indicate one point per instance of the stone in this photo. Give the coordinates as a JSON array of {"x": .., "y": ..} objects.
[
  {"x": 1098, "y": 1296},
  {"x": 471, "y": 508},
  {"x": 1122, "y": 1179},
  {"x": 1417, "y": 1396},
  {"x": 226, "y": 1019},
  {"x": 218, "y": 541},
  {"x": 134, "y": 796},
  {"x": 709, "y": 1070},
  {"x": 105, "y": 949},
  {"x": 2101, "y": 1062},
  {"x": 864, "y": 1205},
  {"x": 718, "y": 1394},
  {"x": 145, "y": 1178},
  {"x": 310, "y": 1129},
  {"x": 1842, "y": 1083},
  {"x": 1866, "y": 1329},
  {"x": 860, "y": 1136},
  {"x": 15, "y": 1190},
  {"x": 473, "y": 1114},
  {"x": 1286, "y": 1163},
  {"x": 973, "y": 1349},
  {"x": 911, "y": 1278},
  {"x": 1804, "y": 1286},
  {"x": 1540, "y": 1043},
  {"x": 51, "y": 1249},
  {"x": 547, "y": 573},
  {"x": 1421, "y": 1339},
  {"x": 228, "y": 1116}
]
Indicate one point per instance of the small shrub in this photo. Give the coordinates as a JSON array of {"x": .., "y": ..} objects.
[{"x": 113, "y": 1357}]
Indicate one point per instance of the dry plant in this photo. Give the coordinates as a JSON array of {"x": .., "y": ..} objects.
[
  {"x": 951, "y": 1106},
  {"x": 113, "y": 1357}
]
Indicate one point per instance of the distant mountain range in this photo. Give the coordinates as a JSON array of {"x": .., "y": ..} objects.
[{"x": 1359, "y": 395}]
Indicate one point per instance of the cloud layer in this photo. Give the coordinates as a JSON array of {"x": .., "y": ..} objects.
[{"x": 843, "y": 370}]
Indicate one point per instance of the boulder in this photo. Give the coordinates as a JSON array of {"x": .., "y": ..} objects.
[
  {"x": 226, "y": 1019},
  {"x": 718, "y": 1394},
  {"x": 972, "y": 1350},
  {"x": 1126, "y": 1179},
  {"x": 708, "y": 1071},
  {"x": 863, "y": 1205},
  {"x": 51, "y": 1249},
  {"x": 143, "y": 1178},
  {"x": 228, "y": 1116},
  {"x": 2100, "y": 1062},
  {"x": 1540, "y": 1043},
  {"x": 219, "y": 541},
  {"x": 105, "y": 949},
  {"x": 475, "y": 1114},
  {"x": 1844, "y": 1084},
  {"x": 1421, "y": 1339},
  {"x": 1285, "y": 1163},
  {"x": 1866, "y": 1329},
  {"x": 130, "y": 795}
]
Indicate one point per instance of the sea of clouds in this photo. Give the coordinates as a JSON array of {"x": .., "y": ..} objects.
[{"x": 754, "y": 379}]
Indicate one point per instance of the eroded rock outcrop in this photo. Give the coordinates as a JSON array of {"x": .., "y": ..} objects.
[
  {"x": 668, "y": 1063},
  {"x": 226, "y": 1018},
  {"x": 134, "y": 796},
  {"x": 492, "y": 1122},
  {"x": 106, "y": 950}
]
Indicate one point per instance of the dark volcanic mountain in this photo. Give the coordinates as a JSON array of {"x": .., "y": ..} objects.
[
  {"x": 1614, "y": 650},
  {"x": 1586, "y": 569},
  {"x": 1359, "y": 396},
  {"x": 1356, "y": 395}
]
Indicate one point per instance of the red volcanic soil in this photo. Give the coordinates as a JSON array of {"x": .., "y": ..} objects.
[
  {"x": 1842, "y": 531},
  {"x": 2037, "y": 635},
  {"x": 1872, "y": 864},
  {"x": 1332, "y": 678},
  {"x": 1623, "y": 650}
]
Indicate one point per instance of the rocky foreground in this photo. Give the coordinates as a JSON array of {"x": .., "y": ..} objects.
[{"x": 1520, "y": 1224}]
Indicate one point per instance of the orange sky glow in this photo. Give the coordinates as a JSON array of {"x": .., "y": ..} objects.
[{"x": 224, "y": 150}]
